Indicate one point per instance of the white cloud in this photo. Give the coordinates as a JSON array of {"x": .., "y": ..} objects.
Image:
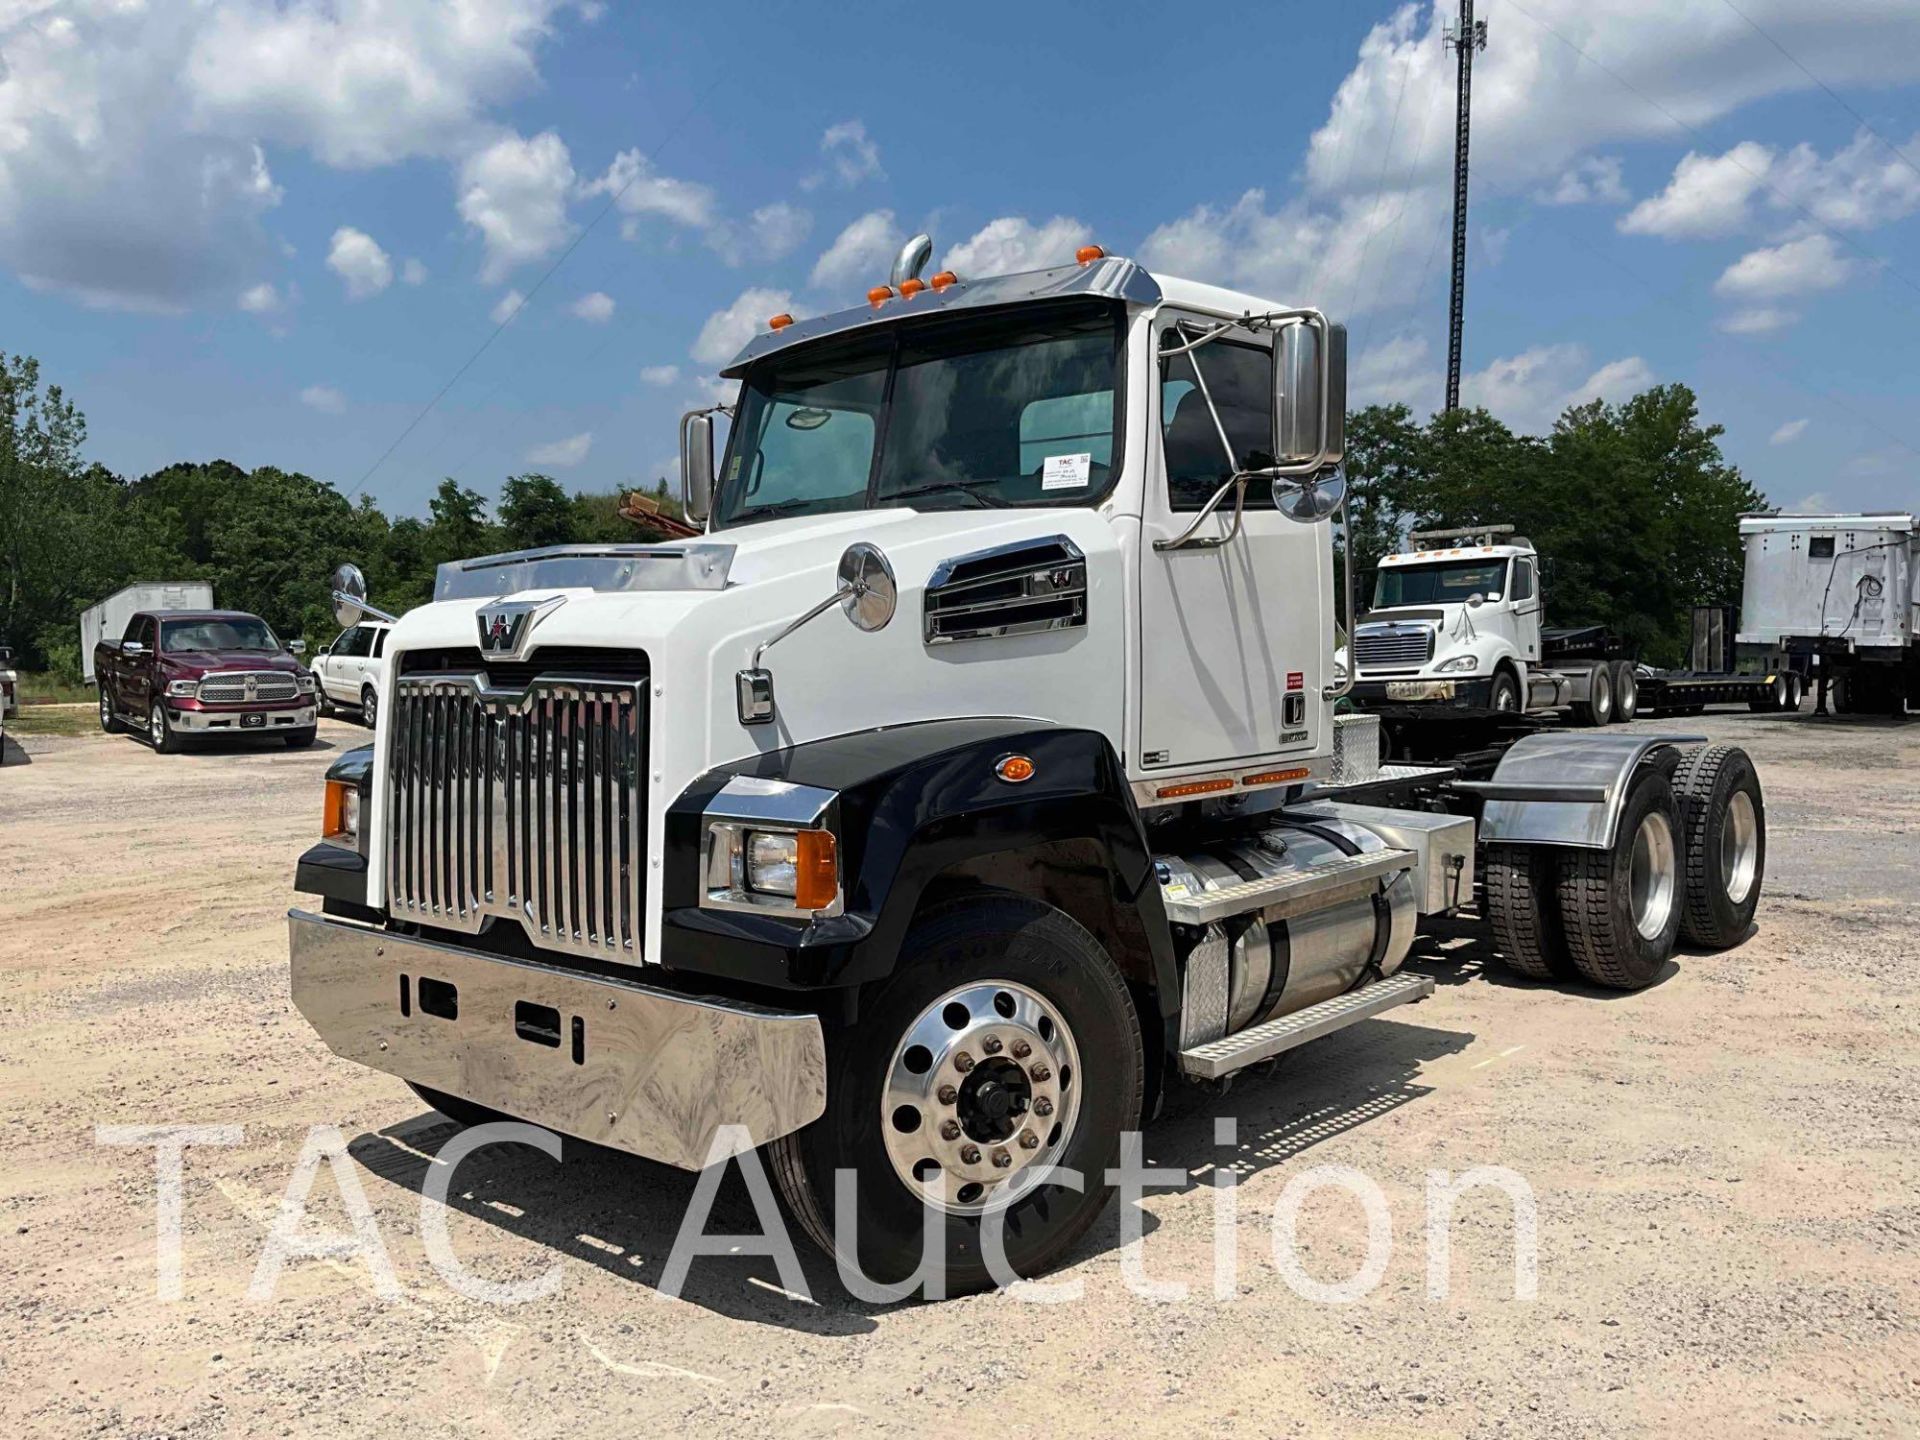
[
  {"x": 1758, "y": 320},
  {"x": 562, "y": 454},
  {"x": 413, "y": 273},
  {"x": 595, "y": 308},
  {"x": 515, "y": 193},
  {"x": 861, "y": 255},
  {"x": 133, "y": 137},
  {"x": 1594, "y": 180},
  {"x": 1398, "y": 370},
  {"x": 506, "y": 307},
  {"x": 261, "y": 299},
  {"x": 779, "y": 228},
  {"x": 641, "y": 191},
  {"x": 851, "y": 155},
  {"x": 726, "y": 331},
  {"x": 324, "y": 398},
  {"x": 1857, "y": 188},
  {"x": 1529, "y": 391},
  {"x": 1707, "y": 195},
  {"x": 1777, "y": 272},
  {"x": 1013, "y": 243},
  {"x": 358, "y": 260},
  {"x": 1788, "y": 433},
  {"x": 659, "y": 374},
  {"x": 1815, "y": 502}
]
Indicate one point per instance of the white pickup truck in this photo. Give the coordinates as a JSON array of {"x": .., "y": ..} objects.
[{"x": 1455, "y": 630}]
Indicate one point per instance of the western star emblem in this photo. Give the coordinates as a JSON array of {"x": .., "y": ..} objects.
[{"x": 505, "y": 627}]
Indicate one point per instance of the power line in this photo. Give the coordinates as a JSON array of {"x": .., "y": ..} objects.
[
  {"x": 612, "y": 200},
  {"x": 1865, "y": 124}
]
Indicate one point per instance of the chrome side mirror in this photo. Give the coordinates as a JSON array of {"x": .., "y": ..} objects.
[
  {"x": 696, "y": 464},
  {"x": 349, "y": 588},
  {"x": 134, "y": 647},
  {"x": 1310, "y": 396},
  {"x": 864, "y": 589},
  {"x": 297, "y": 647},
  {"x": 1476, "y": 600}
]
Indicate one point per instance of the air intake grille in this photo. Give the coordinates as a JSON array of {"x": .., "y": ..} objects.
[
  {"x": 229, "y": 687},
  {"x": 1410, "y": 646},
  {"x": 527, "y": 804},
  {"x": 1019, "y": 589}
]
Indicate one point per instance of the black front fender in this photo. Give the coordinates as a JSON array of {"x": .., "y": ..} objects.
[{"x": 918, "y": 802}]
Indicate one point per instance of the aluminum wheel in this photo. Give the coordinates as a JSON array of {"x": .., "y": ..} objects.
[
  {"x": 106, "y": 707},
  {"x": 157, "y": 727},
  {"x": 981, "y": 1092},
  {"x": 1740, "y": 846},
  {"x": 1653, "y": 880}
]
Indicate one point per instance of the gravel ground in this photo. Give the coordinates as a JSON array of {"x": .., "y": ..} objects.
[{"x": 1725, "y": 1168}]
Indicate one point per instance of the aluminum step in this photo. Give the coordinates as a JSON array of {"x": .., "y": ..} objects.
[
  {"x": 1263, "y": 1042},
  {"x": 1292, "y": 894}
]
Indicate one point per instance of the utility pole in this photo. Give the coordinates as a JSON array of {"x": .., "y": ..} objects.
[{"x": 1469, "y": 37}]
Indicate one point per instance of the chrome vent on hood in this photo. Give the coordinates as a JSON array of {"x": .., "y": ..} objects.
[{"x": 1019, "y": 589}]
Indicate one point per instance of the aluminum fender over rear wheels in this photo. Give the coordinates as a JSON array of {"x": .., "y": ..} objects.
[
  {"x": 1724, "y": 825},
  {"x": 1567, "y": 787}
]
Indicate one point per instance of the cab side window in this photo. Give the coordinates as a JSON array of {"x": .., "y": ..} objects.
[
  {"x": 351, "y": 644},
  {"x": 1239, "y": 377},
  {"x": 1522, "y": 580},
  {"x": 139, "y": 628}
]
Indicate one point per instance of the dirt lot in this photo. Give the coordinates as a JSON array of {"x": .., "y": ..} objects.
[{"x": 1725, "y": 1167}]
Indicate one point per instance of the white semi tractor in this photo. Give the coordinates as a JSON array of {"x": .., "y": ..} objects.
[
  {"x": 972, "y": 776},
  {"x": 1839, "y": 589}
]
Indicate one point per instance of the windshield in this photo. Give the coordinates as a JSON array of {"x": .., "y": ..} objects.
[
  {"x": 1449, "y": 582},
  {"x": 184, "y": 637},
  {"x": 1018, "y": 408}
]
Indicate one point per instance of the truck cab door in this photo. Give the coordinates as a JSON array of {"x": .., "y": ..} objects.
[
  {"x": 1234, "y": 637},
  {"x": 131, "y": 676},
  {"x": 1524, "y": 586}
]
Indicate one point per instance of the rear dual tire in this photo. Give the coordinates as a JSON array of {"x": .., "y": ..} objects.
[
  {"x": 1724, "y": 822},
  {"x": 1597, "y": 708}
]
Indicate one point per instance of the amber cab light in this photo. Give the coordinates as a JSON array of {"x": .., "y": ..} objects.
[
  {"x": 1275, "y": 777},
  {"x": 911, "y": 287},
  {"x": 1192, "y": 787},
  {"x": 780, "y": 321},
  {"x": 1014, "y": 769},
  {"x": 816, "y": 872},
  {"x": 944, "y": 279},
  {"x": 879, "y": 294},
  {"x": 1087, "y": 254}
]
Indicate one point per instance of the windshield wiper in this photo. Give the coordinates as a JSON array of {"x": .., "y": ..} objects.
[
  {"x": 772, "y": 507},
  {"x": 968, "y": 488}
]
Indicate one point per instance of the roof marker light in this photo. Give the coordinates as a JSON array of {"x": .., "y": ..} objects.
[
  {"x": 780, "y": 321},
  {"x": 945, "y": 278},
  {"x": 911, "y": 287},
  {"x": 1087, "y": 254},
  {"x": 879, "y": 295}
]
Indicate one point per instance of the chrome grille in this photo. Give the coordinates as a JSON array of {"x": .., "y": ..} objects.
[
  {"x": 1409, "y": 645},
  {"x": 522, "y": 804},
  {"x": 227, "y": 687}
]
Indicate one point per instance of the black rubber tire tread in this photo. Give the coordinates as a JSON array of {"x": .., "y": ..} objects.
[
  {"x": 1589, "y": 713},
  {"x": 1601, "y": 951},
  {"x": 1703, "y": 922},
  {"x": 1623, "y": 670},
  {"x": 1513, "y": 684},
  {"x": 1520, "y": 907},
  {"x": 934, "y": 957}
]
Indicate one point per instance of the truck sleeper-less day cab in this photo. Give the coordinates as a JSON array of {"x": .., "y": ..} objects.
[
  {"x": 974, "y": 775},
  {"x": 1456, "y": 629},
  {"x": 178, "y": 673}
]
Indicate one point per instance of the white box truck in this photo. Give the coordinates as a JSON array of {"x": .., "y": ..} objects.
[
  {"x": 106, "y": 620},
  {"x": 1839, "y": 588}
]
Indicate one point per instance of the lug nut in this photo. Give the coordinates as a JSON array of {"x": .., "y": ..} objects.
[
  {"x": 1021, "y": 1049},
  {"x": 1001, "y": 1159},
  {"x": 963, "y": 1062},
  {"x": 991, "y": 1044},
  {"x": 947, "y": 1094},
  {"x": 970, "y": 1154},
  {"x": 1041, "y": 1074},
  {"x": 1029, "y": 1140},
  {"x": 1043, "y": 1106},
  {"x": 949, "y": 1129}
]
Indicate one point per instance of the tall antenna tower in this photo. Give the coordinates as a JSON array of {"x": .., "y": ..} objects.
[{"x": 1471, "y": 35}]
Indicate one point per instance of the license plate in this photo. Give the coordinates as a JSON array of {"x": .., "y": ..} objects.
[{"x": 253, "y": 722}]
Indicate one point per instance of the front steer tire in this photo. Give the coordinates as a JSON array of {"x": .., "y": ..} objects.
[
  {"x": 1724, "y": 821},
  {"x": 1621, "y": 906},
  {"x": 981, "y": 939},
  {"x": 160, "y": 732}
]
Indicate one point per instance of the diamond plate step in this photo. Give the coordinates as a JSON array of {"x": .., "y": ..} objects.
[
  {"x": 1291, "y": 894},
  {"x": 1263, "y": 1042}
]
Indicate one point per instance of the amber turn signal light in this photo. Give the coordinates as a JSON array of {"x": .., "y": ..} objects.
[
  {"x": 816, "y": 871},
  {"x": 1192, "y": 787},
  {"x": 780, "y": 321},
  {"x": 944, "y": 279},
  {"x": 1087, "y": 254},
  {"x": 1274, "y": 777},
  {"x": 333, "y": 813},
  {"x": 1014, "y": 769}
]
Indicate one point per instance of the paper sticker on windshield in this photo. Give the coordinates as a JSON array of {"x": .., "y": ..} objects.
[{"x": 1066, "y": 472}]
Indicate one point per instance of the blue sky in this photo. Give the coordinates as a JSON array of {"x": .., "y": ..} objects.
[{"x": 273, "y": 232}]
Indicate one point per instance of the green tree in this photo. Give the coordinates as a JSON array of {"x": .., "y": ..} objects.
[{"x": 535, "y": 511}]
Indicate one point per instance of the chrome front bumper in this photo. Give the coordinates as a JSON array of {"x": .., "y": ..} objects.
[
  {"x": 620, "y": 1064},
  {"x": 227, "y": 722}
]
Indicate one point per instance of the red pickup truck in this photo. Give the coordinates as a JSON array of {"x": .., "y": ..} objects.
[{"x": 175, "y": 673}]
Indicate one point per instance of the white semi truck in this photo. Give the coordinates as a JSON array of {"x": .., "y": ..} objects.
[
  {"x": 969, "y": 778},
  {"x": 1840, "y": 589}
]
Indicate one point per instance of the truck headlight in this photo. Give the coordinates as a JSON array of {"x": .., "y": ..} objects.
[
  {"x": 792, "y": 871},
  {"x": 340, "y": 818},
  {"x": 1459, "y": 665},
  {"x": 183, "y": 689},
  {"x": 773, "y": 862}
]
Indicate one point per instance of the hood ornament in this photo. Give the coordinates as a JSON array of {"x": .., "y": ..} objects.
[{"x": 506, "y": 627}]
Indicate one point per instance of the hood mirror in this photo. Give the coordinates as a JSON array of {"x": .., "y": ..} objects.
[
  {"x": 350, "y": 605},
  {"x": 1311, "y": 499},
  {"x": 867, "y": 589}
]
